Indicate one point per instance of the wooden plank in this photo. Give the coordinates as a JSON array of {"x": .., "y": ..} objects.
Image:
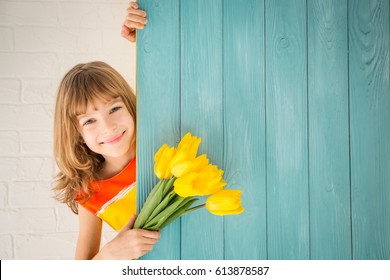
[
  {"x": 330, "y": 219},
  {"x": 201, "y": 112},
  {"x": 158, "y": 98},
  {"x": 244, "y": 126},
  {"x": 370, "y": 128},
  {"x": 286, "y": 126}
]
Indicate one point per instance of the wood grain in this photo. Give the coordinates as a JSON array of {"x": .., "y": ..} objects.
[
  {"x": 292, "y": 100},
  {"x": 201, "y": 112},
  {"x": 370, "y": 128},
  {"x": 158, "y": 104},
  {"x": 286, "y": 121},
  {"x": 244, "y": 126},
  {"x": 330, "y": 219}
]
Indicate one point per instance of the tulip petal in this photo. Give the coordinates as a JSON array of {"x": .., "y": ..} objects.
[
  {"x": 183, "y": 186},
  {"x": 230, "y": 212},
  {"x": 225, "y": 202}
]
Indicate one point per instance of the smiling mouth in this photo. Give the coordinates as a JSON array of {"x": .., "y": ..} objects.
[{"x": 113, "y": 139}]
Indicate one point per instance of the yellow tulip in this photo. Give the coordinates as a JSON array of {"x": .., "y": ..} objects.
[
  {"x": 182, "y": 177},
  {"x": 190, "y": 144},
  {"x": 181, "y": 164},
  {"x": 225, "y": 202},
  {"x": 184, "y": 160},
  {"x": 203, "y": 181},
  {"x": 162, "y": 160}
]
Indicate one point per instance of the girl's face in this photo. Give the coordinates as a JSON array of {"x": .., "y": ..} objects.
[{"x": 108, "y": 129}]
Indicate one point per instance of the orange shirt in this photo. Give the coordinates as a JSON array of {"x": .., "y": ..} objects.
[{"x": 114, "y": 200}]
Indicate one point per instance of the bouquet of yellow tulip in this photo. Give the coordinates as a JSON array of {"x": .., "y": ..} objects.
[{"x": 184, "y": 176}]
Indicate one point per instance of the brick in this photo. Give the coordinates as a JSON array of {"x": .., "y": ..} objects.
[
  {"x": 113, "y": 40},
  {"x": 61, "y": 40},
  {"x": 31, "y": 194},
  {"x": 10, "y": 91},
  {"x": 39, "y": 116},
  {"x": 8, "y": 168},
  {"x": 28, "y": 13},
  {"x": 125, "y": 62},
  {"x": 9, "y": 143},
  {"x": 67, "y": 221},
  {"x": 40, "y": 91},
  {"x": 29, "y": 65},
  {"x": 50, "y": 246},
  {"x": 35, "y": 168},
  {"x": 26, "y": 168},
  {"x": 37, "y": 143},
  {"x": 7, "y": 39},
  {"x": 28, "y": 220},
  {"x": 6, "y": 248},
  {"x": 92, "y": 15},
  {"x": 3, "y": 196}
]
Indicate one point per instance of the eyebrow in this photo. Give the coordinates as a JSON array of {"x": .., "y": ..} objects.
[{"x": 108, "y": 104}]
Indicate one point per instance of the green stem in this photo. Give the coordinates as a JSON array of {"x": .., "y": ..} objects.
[{"x": 194, "y": 208}]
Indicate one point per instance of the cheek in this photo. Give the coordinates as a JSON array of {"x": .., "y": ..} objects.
[
  {"x": 129, "y": 120},
  {"x": 87, "y": 136}
]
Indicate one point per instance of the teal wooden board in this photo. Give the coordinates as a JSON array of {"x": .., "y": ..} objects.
[
  {"x": 330, "y": 216},
  {"x": 244, "y": 126},
  {"x": 292, "y": 100},
  {"x": 201, "y": 113},
  {"x": 158, "y": 104},
  {"x": 286, "y": 128},
  {"x": 370, "y": 128}
]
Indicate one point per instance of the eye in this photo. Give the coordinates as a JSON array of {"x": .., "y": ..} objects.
[
  {"x": 113, "y": 110},
  {"x": 88, "y": 122}
]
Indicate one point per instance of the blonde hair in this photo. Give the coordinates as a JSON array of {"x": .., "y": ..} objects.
[{"x": 78, "y": 165}]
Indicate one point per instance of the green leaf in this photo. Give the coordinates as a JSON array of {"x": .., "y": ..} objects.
[
  {"x": 169, "y": 186},
  {"x": 163, "y": 215},
  {"x": 180, "y": 212},
  {"x": 163, "y": 204},
  {"x": 153, "y": 199},
  {"x": 173, "y": 211}
]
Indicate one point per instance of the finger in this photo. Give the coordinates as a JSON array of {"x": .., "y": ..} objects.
[
  {"x": 147, "y": 248},
  {"x": 133, "y": 4},
  {"x": 150, "y": 234},
  {"x": 130, "y": 224},
  {"x": 136, "y": 18},
  {"x": 133, "y": 25},
  {"x": 128, "y": 34},
  {"x": 136, "y": 12},
  {"x": 147, "y": 240},
  {"x": 142, "y": 233},
  {"x": 125, "y": 31}
]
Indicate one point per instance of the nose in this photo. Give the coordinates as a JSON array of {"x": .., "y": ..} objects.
[{"x": 107, "y": 125}]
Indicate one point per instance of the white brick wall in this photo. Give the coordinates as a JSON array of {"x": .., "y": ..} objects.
[{"x": 39, "y": 42}]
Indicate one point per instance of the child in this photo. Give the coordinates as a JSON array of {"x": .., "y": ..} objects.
[{"x": 94, "y": 147}]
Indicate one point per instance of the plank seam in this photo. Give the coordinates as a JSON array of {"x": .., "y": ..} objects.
[
  {"x": 265, "y": 128},
  {"x": 349, "y": 132},
  {"x": 308, "y": 126}
]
